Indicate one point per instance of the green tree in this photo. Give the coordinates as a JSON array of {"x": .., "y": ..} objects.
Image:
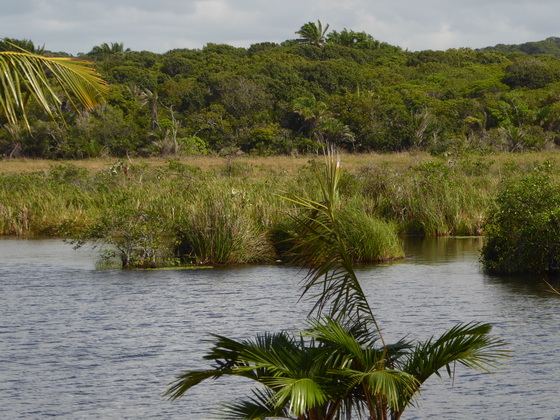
[
  {"x": 313, "y": 34},
  {"x": 353, "y": 39},
  {"x": 530, "y": 72},
  {"x": 523, "y": 229}
]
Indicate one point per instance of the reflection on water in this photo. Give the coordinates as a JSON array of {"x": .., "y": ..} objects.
[
  {"x": 76, "y": 342},
  {"x": 440, "y": 250}
]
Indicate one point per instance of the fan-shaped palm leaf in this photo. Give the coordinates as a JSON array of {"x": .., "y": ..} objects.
[{"x": 25, "y": 76}]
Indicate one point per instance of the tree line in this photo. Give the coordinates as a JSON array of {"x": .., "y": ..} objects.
[{"x": 342, "y": 87}]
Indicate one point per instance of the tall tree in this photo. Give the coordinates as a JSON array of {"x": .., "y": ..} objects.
[
  {"x": 313, "y": 34},
  {"x": 348, "y": 38}
]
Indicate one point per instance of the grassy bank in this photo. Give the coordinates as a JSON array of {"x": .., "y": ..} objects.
[{"x": 217, "y": 210}]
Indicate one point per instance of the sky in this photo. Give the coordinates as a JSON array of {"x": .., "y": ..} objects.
[{"x": 75, "y": 26}]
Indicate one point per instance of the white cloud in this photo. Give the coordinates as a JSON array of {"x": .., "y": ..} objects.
[{"x": 78, "y": 25}]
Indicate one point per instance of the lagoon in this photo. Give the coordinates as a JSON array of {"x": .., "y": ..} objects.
[{"x": 76, "y": 342}]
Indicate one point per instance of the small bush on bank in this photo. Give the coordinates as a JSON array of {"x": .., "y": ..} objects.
[
  {"x": 523, "y": 229},
  {"x": 137, "y": 235}
]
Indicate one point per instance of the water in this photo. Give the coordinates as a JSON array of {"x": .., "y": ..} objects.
[{"x": 76, "y": 342}]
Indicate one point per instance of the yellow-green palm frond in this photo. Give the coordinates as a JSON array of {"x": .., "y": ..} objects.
[{"x": 25, "y": 76}]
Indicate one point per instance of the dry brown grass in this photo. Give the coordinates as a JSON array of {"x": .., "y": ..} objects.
[
  {"x": 289, "y": 164},
  {"x": 499, "y": 164}
]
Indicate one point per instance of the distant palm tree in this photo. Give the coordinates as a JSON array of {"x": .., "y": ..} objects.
[
  {"x": 27, "y": 77},
  {"x": 313, "y": 34},
  {"x": 150, "y": 100},
  {"x": 312, "y": 111}
]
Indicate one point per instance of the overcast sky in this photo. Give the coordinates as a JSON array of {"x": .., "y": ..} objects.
[{"x": 160, "y": 25}]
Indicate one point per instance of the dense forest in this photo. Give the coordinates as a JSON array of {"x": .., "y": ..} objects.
[{"x": 343, "y": 87}]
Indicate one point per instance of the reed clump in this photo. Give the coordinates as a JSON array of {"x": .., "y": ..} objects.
[{"x": 220, "y": 226}]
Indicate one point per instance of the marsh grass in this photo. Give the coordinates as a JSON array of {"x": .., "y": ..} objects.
[
  {"x": 218, "y": 226},
  {"x": 216, "y": 210},
  {"x": 369, "y": 239}
]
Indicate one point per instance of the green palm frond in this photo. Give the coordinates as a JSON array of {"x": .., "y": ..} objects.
[
  {"x": 347, "y": 344},
  {"x": 468, "y": 344},
  {"x": 299, "y": 394},
  {"x": 388, "y": 385},
  {"x": 25, "y": 76},
  {"x": 320, "y": 246},
  {"x": 227, "y": 356},
  {"x": 258, "y": 407},
  {"x": 313, "y": 33},
  {"x": 188, "y": 379}
]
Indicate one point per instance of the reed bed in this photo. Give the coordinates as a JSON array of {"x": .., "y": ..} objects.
[{"x": 222, "y": 211}]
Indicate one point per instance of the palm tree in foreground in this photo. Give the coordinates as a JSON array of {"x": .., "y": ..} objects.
[
  {"x": 339, "y": 366},
  {"x": 27, "y": 77}
]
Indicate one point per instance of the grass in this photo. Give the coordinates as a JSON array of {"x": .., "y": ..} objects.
[{"x": 218, "y": 210}]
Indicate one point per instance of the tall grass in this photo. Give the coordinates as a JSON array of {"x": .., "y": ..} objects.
[
  {"x": 430, "y": 198},
  {"x": 228, "y": 211},
  {"x": 218, "y": 226},
  {"x": 368, "y": 238}
]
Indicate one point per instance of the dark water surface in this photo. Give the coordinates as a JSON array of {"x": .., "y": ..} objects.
[{"x": 76, "y": 342}]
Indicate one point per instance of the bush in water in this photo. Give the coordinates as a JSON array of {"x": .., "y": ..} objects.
[{"x": 523, "y": 229}]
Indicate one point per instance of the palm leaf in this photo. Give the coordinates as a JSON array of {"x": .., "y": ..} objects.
[
  {"x": 299, "y": 394},
  {"x": 467, "y": 344},
  {"x": 25, "y": 76},
  {"x": 320, "y": 246},
  {"x": 388, "y": 385},
  {"x": 258, "y": 407},
  {"x": 188, "y": 379}
]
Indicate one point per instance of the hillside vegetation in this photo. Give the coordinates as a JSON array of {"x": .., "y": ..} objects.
[{"x": 343, "y": 87}]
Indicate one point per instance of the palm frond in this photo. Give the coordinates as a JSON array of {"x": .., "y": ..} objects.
[
  {"x": 188, "y": 379},
  {"x": 388, "y": 385},
  {"x": 25, "y": 76},
  {"x": 468, "y": 344},
  {"x": 227, "y": 355},
  {"x": 348, "y": 344},
  {"x": 320, "y": 246},
  {"x": 299, "y": 394},
  {"x": 258, "y": 407}
]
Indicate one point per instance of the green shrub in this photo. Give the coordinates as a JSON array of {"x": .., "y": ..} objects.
[
  {"x": 523, "y": 229},
  {"x": 139, "y": 236},
  {"x": 367, "y": 239}
]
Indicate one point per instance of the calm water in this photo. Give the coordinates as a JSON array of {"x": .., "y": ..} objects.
[{"x": 76, "y": 342}]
